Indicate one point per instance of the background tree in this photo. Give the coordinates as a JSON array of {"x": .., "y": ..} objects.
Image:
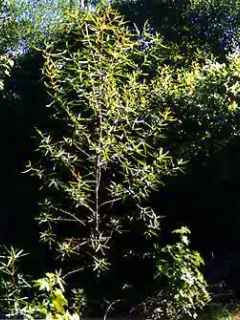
[
  {"x": 26, "y": 24},
  {"x": 212, "y": 25}
]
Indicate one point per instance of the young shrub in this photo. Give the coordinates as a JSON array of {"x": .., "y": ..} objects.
[
  {"x": 108, "y": 145},
  {"x": 184, "y": 291}
]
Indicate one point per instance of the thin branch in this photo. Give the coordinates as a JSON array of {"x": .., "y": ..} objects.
[
  {"x": 72, "y": 216},
  {"x": 64, "y": 220},
  {"x": 83, "y": 151},
  {"x": 110, "y": 307},
  {"x": 73, "y": 272},
  {"x": 109, "y": 202}
]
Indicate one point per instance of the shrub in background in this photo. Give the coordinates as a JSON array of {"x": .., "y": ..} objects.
[{"x": 205, "y": 100}]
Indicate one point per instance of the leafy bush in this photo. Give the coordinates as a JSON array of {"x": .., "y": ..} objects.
[
  {"x": 205, "y": 100},
  {"x": 185, "y": 290}
]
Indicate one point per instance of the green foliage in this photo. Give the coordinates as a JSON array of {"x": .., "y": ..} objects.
[
  {"x": 126, "y": 109},
  {"x": 38, "y": 19},
  {"x": 50, "y": 301},
  {"x": 12, "y": 281},
  {"x": 185, "y": 291},
  {"x": 39, "y": 299},
  {"x": 205, "y": 99},
  {"x": 8, "y": 24},
  {"x": 5, "y": 67},
  {"x": 26, "y": 24},
  {"x": 212, "y": 25},
  {"x": 112, "y": 145}
]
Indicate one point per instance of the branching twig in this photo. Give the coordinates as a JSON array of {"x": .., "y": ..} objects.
[{"x": 110, "y": 307}]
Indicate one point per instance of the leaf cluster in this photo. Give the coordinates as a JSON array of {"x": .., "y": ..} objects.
[
  {"x": 6, "y": 65},
  {"x": 44, "y": 298}
]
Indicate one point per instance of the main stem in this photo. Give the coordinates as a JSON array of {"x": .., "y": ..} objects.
[{"x": 98, "y": 172}]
